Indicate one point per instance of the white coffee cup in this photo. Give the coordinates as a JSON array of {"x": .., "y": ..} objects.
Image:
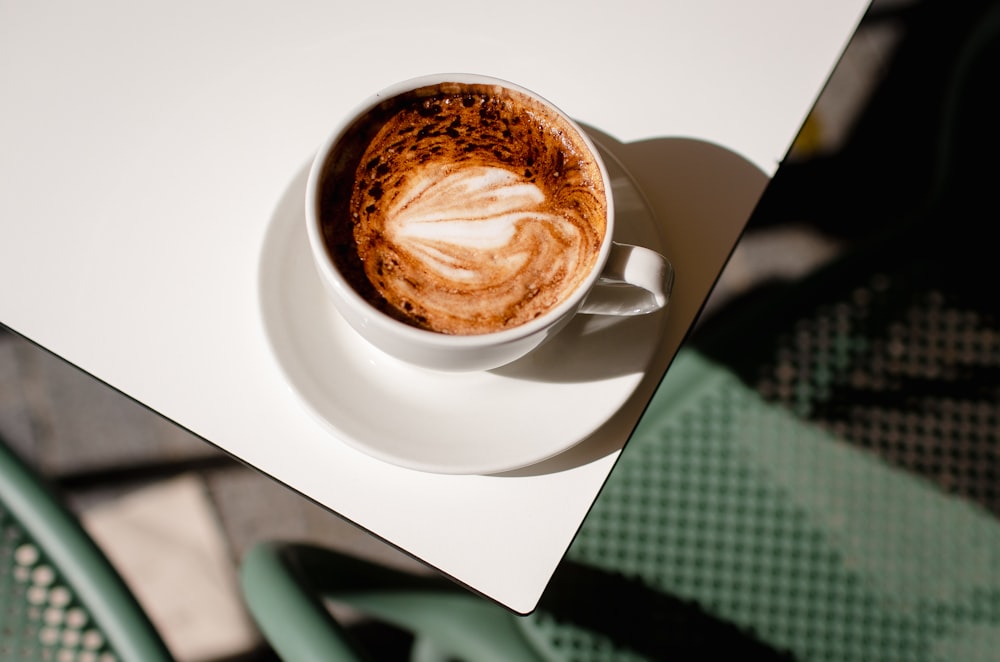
[{"x": 608, "y": 288}]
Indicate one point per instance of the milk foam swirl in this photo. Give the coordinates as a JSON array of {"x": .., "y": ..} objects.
[
  {"x": 472, "y": 209},
  {"x": 464, "y": 226}
]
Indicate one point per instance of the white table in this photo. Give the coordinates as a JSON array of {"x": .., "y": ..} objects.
[{"x": 144, "y": 148}]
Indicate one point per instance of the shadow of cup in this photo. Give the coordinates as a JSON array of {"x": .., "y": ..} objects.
[{"x": 702, "y": 196}]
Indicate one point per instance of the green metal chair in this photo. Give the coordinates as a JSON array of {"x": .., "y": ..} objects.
[{"x": 60, "y": 598}]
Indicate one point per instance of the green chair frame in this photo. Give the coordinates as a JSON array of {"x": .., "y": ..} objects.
[
  {"x": 286, "y": 586},
  {"x": 59, "y": 593}
]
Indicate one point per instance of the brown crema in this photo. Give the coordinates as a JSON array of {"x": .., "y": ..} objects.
[{"x": 463, "y": 208}]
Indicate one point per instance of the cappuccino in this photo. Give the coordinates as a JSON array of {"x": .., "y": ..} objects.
[{"x": 463, "y": 208}]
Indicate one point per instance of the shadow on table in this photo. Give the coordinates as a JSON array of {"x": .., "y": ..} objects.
[{"x": 703, "y": 195}]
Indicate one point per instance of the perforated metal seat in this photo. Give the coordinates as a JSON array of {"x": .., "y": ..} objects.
[{"x": 821, "y": 549}]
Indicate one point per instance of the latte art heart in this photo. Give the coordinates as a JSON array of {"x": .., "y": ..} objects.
[
  {"x": 480, "y": 226},
  {"x": 465, "y": 209}
]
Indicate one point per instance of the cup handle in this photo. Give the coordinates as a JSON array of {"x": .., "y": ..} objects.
[{"x": 635, "y": 281}]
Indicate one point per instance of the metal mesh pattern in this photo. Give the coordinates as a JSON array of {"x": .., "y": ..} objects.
[
  {"x": 911, "y": 376},
  {"x": 40, "y": 618},
  {"x": 807, "y": 543}
]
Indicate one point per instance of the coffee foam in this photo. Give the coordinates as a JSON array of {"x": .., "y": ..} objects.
[{"x": 472, "y": 209}]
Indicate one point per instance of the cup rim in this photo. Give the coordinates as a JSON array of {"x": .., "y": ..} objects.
[{"x": 426, "y": 337}]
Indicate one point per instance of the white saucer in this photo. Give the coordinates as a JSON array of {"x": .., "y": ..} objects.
[{"x": 464, "y": 423}]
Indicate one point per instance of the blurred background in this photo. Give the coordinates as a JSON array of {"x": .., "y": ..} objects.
[{"x": 893, "y": 161}]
